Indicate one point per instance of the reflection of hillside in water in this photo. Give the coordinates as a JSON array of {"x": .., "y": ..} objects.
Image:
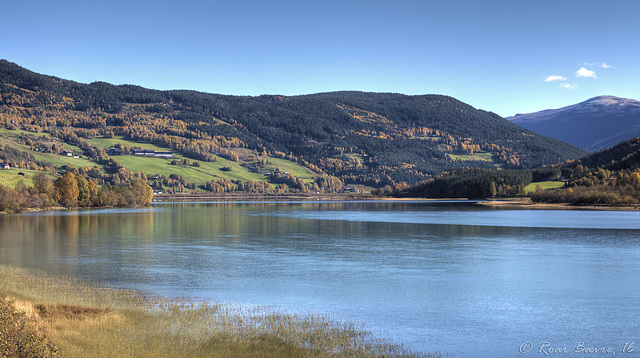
[{"x": 54, "y": 240}]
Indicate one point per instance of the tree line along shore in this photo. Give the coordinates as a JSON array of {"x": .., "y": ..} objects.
[{"x": 71, "y": 191}]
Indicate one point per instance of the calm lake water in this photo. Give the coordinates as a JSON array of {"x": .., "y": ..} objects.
[{"x": 453, "y": 277}]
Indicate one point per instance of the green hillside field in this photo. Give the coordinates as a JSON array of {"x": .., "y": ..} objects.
[
  {"x": 545, "y": 185},
  {"x": 481, "y": 156},
  {"x": 199, "y": 175},
  {"x": 10, "y": 177},
  {"x": 207, "y": 171}
]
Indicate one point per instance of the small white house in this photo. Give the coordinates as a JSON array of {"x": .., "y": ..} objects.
[{"x": 5, "y": 166}]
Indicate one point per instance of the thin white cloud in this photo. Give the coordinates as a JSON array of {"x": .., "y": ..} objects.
[
  {"x": 584, "y": 72},
  {"x": 554, "y": 78},
  {"x": 597, "y": 64},
  {"x": 569, "y": 86}
]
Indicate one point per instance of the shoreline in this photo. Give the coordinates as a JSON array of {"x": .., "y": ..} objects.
[
  {"x": 498, "y": 203},
  {"x": 284, "y": 197},
  {"x": 257, "y": 197},
  {"x": 526, "y": 203},
  {"x": 521, "y": 202}
]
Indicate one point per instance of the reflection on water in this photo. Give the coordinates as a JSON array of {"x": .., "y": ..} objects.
[{"x": 448, "y": 276}]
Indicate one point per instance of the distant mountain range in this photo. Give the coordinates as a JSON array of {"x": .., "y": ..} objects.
[
  {"x": 374, "y": 139},
  {"x": 595, "y": 124}
]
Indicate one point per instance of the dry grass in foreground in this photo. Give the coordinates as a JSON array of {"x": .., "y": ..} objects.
[{"x": 73, "y": 319}]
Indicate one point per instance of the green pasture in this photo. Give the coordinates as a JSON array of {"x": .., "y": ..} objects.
[
  {"x": 545, "y": 185},
  {"x": 15, "y": 132},
  {"x": 60, "y": 160},
  {"x": 9, "y": 177},
  {"x": 55, "y": 159},
  {"x": 294, "y": 169},
  {"x": 199, "y": 175},
  {"x": 150, "y": 165},
  {"x": 106, "y": 143},
  {"x": 480, "y": 156}
]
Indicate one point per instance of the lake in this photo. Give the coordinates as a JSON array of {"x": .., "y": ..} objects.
[{"x": 453, "y": 277}]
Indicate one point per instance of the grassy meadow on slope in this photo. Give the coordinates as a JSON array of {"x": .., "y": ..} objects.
[
  {"x": 11, "y": 177},
  {"x": 544, "y": 185},
  {"x": 205, "y": 172},
  {"x": 221, "y": 168},
  {"x": 8, "y": 138}
]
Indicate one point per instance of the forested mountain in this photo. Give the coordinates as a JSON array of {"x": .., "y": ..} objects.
[
  {"x": 608, "y": 177},
  {"x": 623, "y": 156},
  {"x": 374, "y": 139},
  {"x": 595, "y": 124}
]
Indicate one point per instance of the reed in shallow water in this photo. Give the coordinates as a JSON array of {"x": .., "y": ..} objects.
[{"x": 83, "y": 320}]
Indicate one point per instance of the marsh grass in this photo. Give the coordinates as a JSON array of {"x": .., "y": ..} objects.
[{"x": 82, "y": 320}]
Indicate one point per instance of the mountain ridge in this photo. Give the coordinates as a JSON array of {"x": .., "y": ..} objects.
[{"x": 595, "y": 124}]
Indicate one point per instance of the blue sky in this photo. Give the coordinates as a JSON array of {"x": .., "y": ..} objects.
[{"x": 503, "y": 56}]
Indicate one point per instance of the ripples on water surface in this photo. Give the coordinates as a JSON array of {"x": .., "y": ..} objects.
[{"x": 440, "y": 276}]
